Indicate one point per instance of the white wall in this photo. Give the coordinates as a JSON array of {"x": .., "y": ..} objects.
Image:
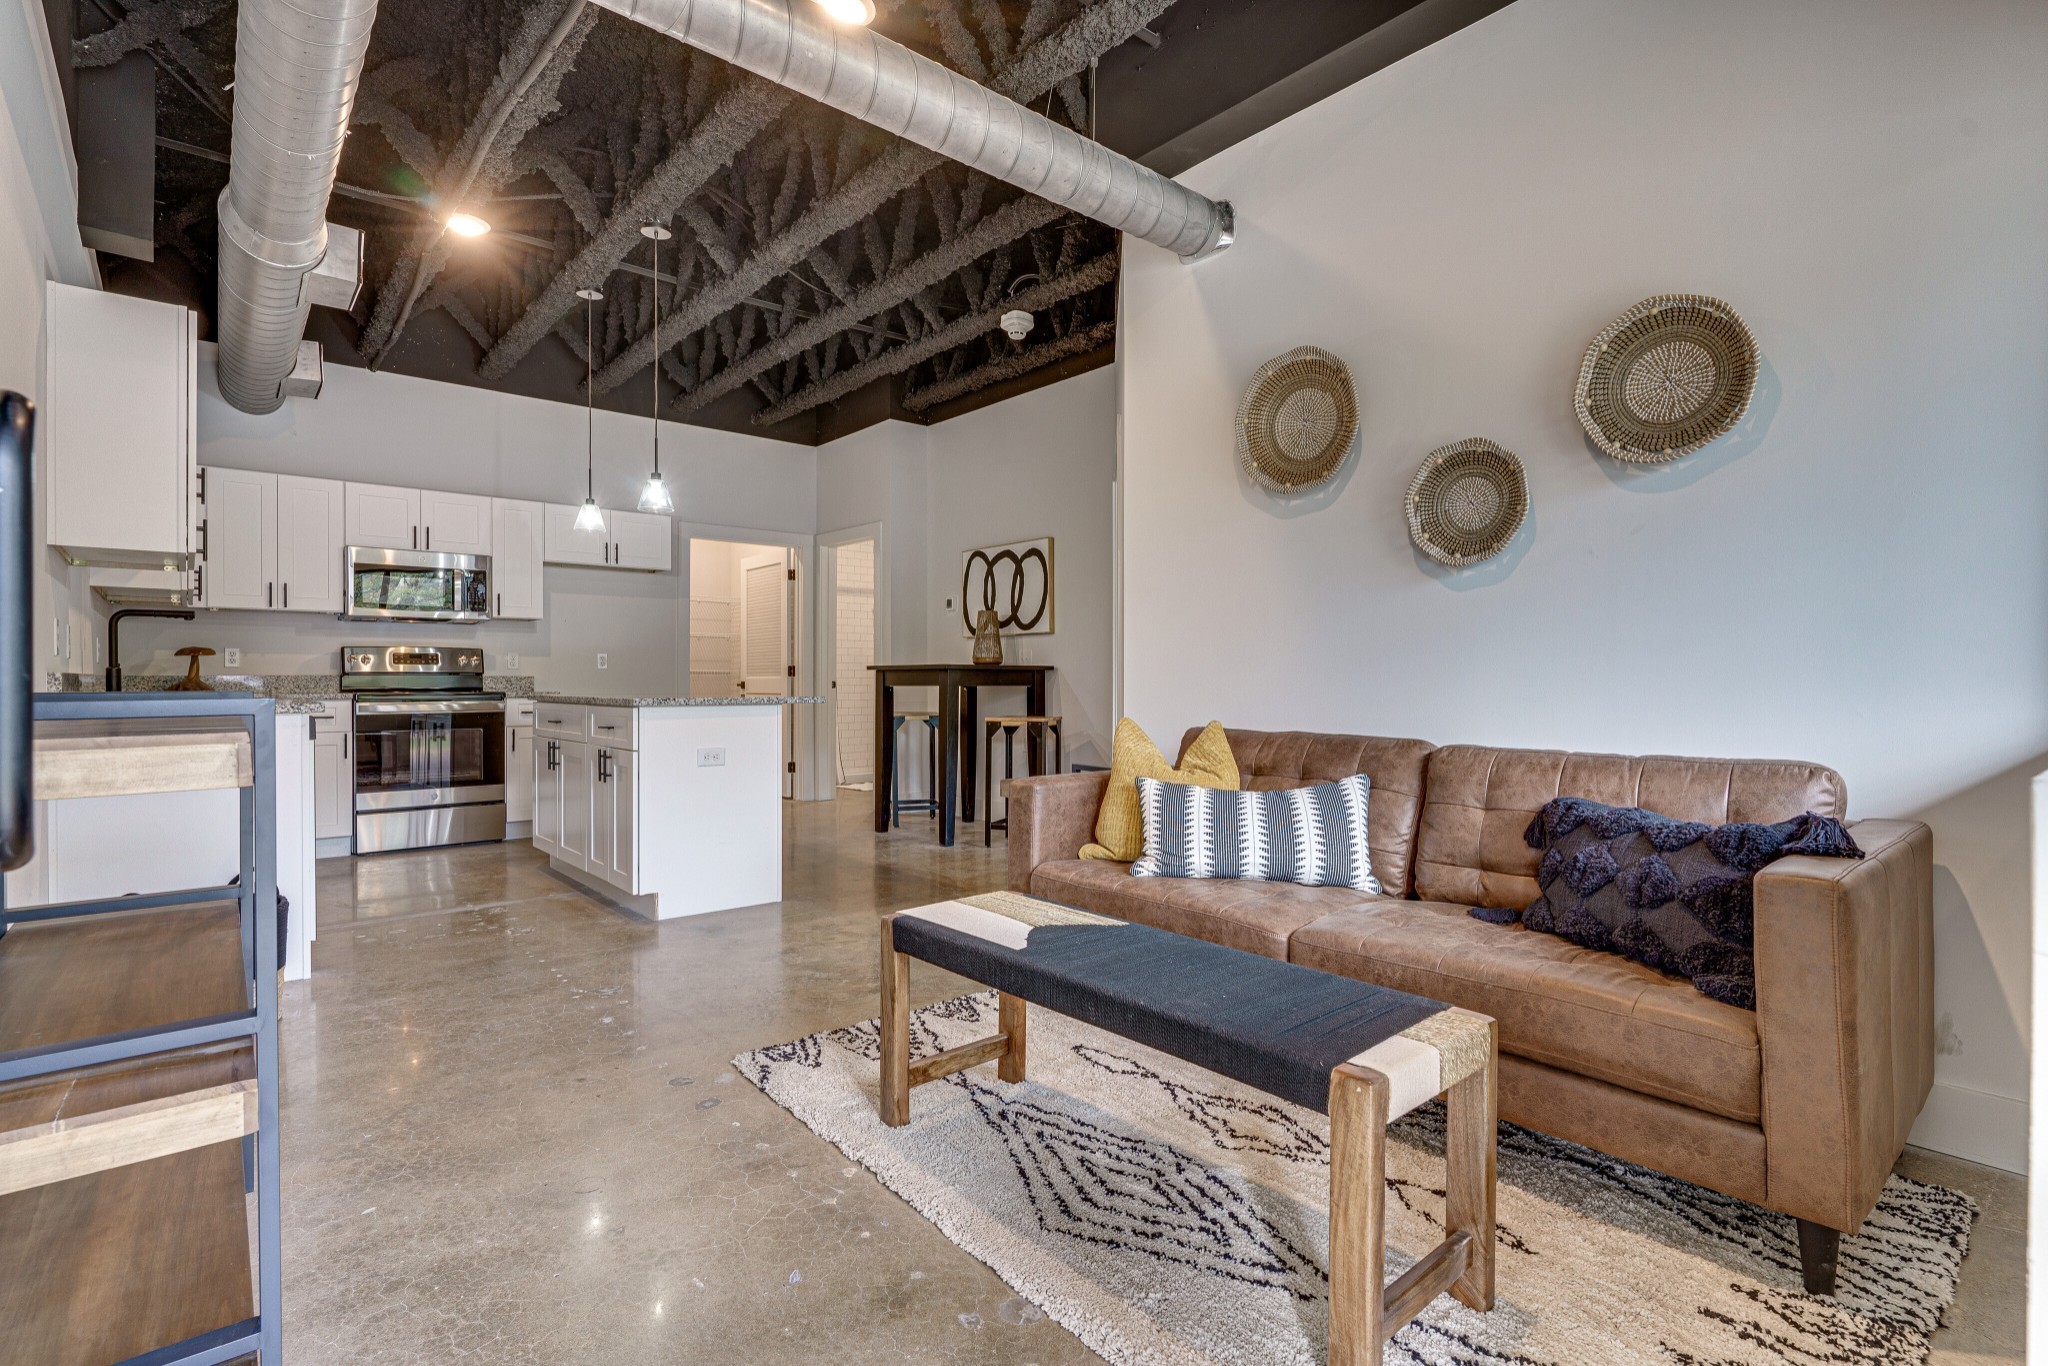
[
  {"x": 1858, "y": 575},
  {"x": 1041, "y": 464},
  {"x": 39, "y": 242},
  {"x": 394, "y": 429}
]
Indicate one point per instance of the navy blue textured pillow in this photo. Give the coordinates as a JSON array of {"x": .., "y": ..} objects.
[{"x": 1678, "y": 896}]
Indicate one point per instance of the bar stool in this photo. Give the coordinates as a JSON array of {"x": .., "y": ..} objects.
[
  {"x": 1009, "y": 726},
  {"x": 930, "y": 802}
]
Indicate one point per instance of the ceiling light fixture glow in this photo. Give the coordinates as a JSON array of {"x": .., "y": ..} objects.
[
  {"x": 654, "y": 497},
  {"x": 849, "y": 11},
  {"x": 467, "y": 225},
  {"x": 590, "y": 517}
]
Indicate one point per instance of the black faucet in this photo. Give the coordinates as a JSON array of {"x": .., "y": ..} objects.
[{"x": 114, "y": 637}]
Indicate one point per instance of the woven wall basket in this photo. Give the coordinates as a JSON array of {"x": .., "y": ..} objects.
[
  {"x": 1666, "y": 377},
  {"x": 1467, "y": 502},
  {"x": 1296, "y": 420}
]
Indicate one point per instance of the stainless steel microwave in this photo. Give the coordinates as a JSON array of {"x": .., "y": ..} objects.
[{"x": 417, "y": 585}]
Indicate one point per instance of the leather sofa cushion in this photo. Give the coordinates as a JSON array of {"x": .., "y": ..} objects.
[
  {"x": 1469, "y": 848},
  {"x": 1257, "y": 917},
  {"x": 1269, "y": 760},
  {"x": 1593, "y": 1014}
]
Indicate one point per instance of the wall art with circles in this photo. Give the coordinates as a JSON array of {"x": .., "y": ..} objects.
[{"x": 1015, "y": 581}]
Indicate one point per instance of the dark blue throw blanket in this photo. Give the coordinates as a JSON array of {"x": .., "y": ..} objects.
[{"x": 1678, "y": 896}]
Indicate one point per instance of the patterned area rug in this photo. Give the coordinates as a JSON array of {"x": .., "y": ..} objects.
[{"x": 1164, "y": 1214}]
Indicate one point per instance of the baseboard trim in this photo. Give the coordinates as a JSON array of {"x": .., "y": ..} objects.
[{"x": 1975, "y": 1126}]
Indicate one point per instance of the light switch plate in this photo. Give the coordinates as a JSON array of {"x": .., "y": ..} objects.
[
  {"x": 711, "y": 758},
  {"x": 231, "y": 658},
  {"x": 604, "y": 661}
]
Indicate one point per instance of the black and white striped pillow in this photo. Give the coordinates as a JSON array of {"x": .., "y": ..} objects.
[{"x": 1315, "y": 836}]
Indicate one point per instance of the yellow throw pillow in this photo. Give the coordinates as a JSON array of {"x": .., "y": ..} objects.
[{"x": 1119, "y": 830}]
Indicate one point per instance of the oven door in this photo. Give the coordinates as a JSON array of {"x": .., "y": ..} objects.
[
  {"x": 423, "y": 753},
  {"x": 417, "y": 585}
]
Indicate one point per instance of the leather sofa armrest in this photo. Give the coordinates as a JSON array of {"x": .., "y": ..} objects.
[
  {"x": 1845, "y": 1017},
  {"x": 1050, "y": 819}
]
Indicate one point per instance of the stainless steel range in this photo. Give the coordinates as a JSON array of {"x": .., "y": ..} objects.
[{"x": 430, "y": 747}]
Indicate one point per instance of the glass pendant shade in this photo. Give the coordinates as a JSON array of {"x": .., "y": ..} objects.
[
  {"x": 654, "y": 497},
  {"x": 590, "y": 517}
]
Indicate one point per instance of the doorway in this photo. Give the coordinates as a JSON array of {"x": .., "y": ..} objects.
[
  {"x": 853, "y": 654},
  {"x": 743, "y": 627}
]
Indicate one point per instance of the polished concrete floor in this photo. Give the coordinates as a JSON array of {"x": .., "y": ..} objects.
[{"x": 512, "y": 1133}]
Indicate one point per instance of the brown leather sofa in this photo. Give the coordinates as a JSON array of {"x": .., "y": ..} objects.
[{"x": 1801, "y": 1106}]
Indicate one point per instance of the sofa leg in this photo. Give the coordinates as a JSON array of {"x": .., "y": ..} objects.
[{"x": 1818, "y": 1246}]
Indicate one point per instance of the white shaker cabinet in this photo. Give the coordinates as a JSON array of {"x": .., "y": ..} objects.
[
  {"x": 520, "y": 775},
  {"x": 381, "y": 516},
  {"x": 615, "y": 818},
  {"x": 116, "y": 431},
  {"x": 579, "y": 772},
  {"x": 310, "y": 573},
  {"x": 563, "y": 544},
  {"x": 455, "y": 523},
  {"x": 517, "y": 552},
  {"x": 333, "y": 775},
  {"x": 237, "y": 538},
  {"x": 641, "y": 540}
]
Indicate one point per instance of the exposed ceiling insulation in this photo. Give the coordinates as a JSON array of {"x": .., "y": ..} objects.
[{"x": 822, "y": 274}]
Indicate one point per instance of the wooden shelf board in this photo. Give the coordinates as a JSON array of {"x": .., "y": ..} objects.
[
  {"x": 62, "y": 980},
  {"x": 114, "y": 757}
]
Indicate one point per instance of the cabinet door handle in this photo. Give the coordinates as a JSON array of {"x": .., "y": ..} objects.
[
  {"x": 286, "y": 604},
  {"x": 430, "y": 538},
  {"x": 344, "y": 744},
  {"x": 270, "y": 595},
  {"x": 415, "y": 538},
  {"x": 203, "y": 538},
  {"x": 515, "y": 742},
  {"x": 501, "y": 604}
]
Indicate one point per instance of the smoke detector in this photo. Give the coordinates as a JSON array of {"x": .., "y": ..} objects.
[{"x": 1017, "y": 323}]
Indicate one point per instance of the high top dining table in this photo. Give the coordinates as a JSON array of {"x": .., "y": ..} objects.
[{"x": 959, "y": 718}]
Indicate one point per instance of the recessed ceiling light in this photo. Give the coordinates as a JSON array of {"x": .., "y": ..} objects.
[
  {"x": 849, "y": 11},
  {"x": 467, "y": 225}
]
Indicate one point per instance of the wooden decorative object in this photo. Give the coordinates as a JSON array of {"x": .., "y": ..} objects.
[
  {"x": 191, "y": 682},
  {"x": 1014, "y": 581},
  {"x": 988, "y": 637},
  {"x": 1467, "y": 502},
  {"x": 1665, "y": 378},
  {"x": 1296, "y": 420}
]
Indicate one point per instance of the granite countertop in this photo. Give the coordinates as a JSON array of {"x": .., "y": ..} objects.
[{"x": 574, "y": 700}]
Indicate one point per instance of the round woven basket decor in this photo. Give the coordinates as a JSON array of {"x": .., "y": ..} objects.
[
  {"x": 1296, "y": 420},
  {"x": 1666, "y": 377},
  {"x": 1467, "y": 502}
]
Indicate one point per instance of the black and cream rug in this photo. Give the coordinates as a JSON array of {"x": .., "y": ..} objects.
[{"x": 1164, "y": 1214}]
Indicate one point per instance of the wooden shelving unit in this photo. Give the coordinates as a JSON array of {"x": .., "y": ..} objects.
[{"x": 138, "y": 1066}]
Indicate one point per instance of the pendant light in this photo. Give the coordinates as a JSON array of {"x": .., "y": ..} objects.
[
  {"x": 655, "y": 496},
  {"x": 590, "y": 517}
]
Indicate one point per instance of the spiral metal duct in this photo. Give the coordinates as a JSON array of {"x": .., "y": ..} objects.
[
  {"x": 296, "y": 70},
  {"x": 861, "y": 73}
]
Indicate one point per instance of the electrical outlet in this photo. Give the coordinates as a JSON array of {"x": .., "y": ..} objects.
[
  {"x": 231, "y": 658},
  {"x": 604, "y": 661},
  {"x": 711, "y": 758},
  {"x": 511, "y": 661}
]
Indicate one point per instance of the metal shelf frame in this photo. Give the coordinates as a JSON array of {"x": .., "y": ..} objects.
[{"x": 256, "y": 893}]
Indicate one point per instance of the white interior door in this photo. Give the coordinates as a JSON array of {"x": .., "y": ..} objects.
[{"x": 764, "y": 634}]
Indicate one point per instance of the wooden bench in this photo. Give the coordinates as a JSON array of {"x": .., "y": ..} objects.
[{"x": 1364, "y": 1055}]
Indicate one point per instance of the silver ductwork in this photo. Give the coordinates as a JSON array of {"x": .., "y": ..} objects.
[
  {"x": 296, "y": 70},
  {"x": 861, "y": 73}
]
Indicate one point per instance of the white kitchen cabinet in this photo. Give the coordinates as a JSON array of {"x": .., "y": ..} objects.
[
  {"x": 517, "y": 551},
  {"x": 333, "y": 776},
  {"x": 238, "y": 539},
  {"x": 641, "y": 540},
  {"x": 116, "y": 431},
  {"x": 615, "y": 819},
  {"x": 577, "y": 761},
  {"x": 310, "y": 573},
  {"x": 520, "y": 777},
  {"x": 455, "y": 523},
  {"x": 562, "y": 543},
  {"x": 547, "y": 795},
  {"x": 381, "y": 516}
]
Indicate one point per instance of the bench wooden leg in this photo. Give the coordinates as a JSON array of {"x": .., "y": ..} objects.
[
  {"x": 1010, "y": 1020},
  {"x": 1472, "y": 1121},
  {"x": 1358, "y": 1195},
  {"x": 895, "y": 1101}
]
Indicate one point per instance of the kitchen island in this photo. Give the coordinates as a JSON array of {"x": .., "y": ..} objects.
[{"x": 670, "y": 806}]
